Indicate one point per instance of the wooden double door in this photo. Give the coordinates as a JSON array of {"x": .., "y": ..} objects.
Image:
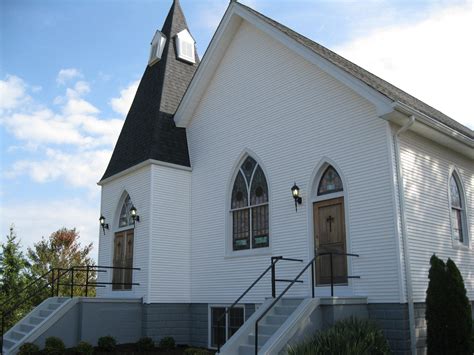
[
  {"x": 123, "y": 258},
  {"x": 330, "y": 237}
]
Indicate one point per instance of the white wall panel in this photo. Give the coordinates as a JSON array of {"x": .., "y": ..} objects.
[
  {"x": 426, "y": 171},
  {"x": 137, "y": 184},
  {"x": 265, "y": 98},
  {"x": 170, "y": 252}
]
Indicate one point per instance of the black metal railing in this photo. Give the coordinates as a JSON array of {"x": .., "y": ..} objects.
[
  {"x": 53, "y": 280},
  {"x": 274, "y": 260},
  {"x": 297, "y": 280}
]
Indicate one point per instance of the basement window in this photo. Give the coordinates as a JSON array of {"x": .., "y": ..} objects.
[
  {"x": 185, "y": 47},
  {"x": 228, "y": 325}
]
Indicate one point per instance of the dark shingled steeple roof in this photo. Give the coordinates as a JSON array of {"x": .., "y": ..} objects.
[{"x": 149, "y": 131}]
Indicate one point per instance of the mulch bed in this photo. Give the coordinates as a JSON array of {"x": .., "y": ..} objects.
[{"x": 131, "y": 349}]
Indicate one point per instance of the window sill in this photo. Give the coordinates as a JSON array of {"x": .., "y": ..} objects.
[
  {"x": 248, "y": 253},
  {"x": 460, "y": 246}
]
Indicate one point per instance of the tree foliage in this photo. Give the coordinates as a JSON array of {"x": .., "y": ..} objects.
[
  {"x": 13, "y": 276},
  {"x": 62, "y": 250},
  {"x": 448, "y": 312}
]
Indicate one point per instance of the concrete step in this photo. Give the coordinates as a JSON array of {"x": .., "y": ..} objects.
[
  {"x": 53, "y": 306},
  {"x": 266, "y": 329},
  {"x": 247, "y": 350},
  {"x": 35, "y": 320},
  {"x": 7, "y": 343},
  {"x": 275, "y": 319},
  {"x": 45, "y": 313},
  {"x": 262, "y": 339},
  {"x": 284, "y": 310},
  {"x": 16, "y": 335},
  {"x": 290, "y": 302},
  {"x": 24, "y": 327}
]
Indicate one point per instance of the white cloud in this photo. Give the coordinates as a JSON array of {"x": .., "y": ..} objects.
[
  {"x": 431, "y": 59},
  {"x": 78, "y": 169},
  {"x": 12, "y": 93},
  {"x": 66, "y": 75},
  {"x": 122, "y": 103},
  {"x": 31, "y": 225},
  {"x": 72, "y": 142}
]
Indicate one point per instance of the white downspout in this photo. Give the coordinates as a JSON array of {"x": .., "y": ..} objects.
[{"x": 406, "y": 254}]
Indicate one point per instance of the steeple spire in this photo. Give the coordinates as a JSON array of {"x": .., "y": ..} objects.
[{"x": 149, "y": 131}]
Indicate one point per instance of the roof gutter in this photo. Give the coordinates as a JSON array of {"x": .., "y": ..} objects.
[
  {"x": 427, "y": 120},
  {"x": 406, "y": 248}
]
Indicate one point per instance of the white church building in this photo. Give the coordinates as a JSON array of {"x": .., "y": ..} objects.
[{"x": 274, "y": 146}]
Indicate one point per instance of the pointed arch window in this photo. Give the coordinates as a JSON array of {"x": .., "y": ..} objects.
[
  {"x": 125, "y": 218},
  {"x": 123, "y": 249},
  {"x": 330, "y": 182},
  {"x": 458, "y": 212},
  {"x": 249, "y": 207}
]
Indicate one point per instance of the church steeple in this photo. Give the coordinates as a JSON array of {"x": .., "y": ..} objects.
[{"x": 149, "y": 131}]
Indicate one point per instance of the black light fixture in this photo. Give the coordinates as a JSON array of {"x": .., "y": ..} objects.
[
  {"x": 135, "y": 216},
  {"x": 295, "y": 191},
  {"x": 103, "y": 224}
]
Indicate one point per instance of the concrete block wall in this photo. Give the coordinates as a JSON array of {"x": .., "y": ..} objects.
[
  {"x": 168, "y": 319},
  {"x": 392, "y": 318}
]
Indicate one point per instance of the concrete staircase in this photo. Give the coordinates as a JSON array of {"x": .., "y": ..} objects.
[
  {"x": 31, "y": 323},
  {"x": 269, "y": 325},
  {"x": 276, "y": 329}
]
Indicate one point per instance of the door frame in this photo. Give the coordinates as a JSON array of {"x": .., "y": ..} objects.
[{"x": 340, "y": 290}]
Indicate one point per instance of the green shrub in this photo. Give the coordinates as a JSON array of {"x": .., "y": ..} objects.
[
  {"x": 460, "y": 316},
  {"x": 196, "y": 351},
  {"x": 436, "y": 313},
  {"x": 448, "y": 311},
  {"x": 145, "y": 344},
  {"x": 107, "y": 344},
  {"x": 348, "y": 336},
  {"x": 167, "y": 343},
  {"x": 84, "y": 348},
  {"x": 54, "y": 346},
  {"x": 29, "y": 349}
]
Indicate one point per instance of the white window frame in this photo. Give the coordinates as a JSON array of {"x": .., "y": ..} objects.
[
  {"x": 210, "y": 307},
  {"x": 457, "y": 244},
  {"x": 182, "y": 38}
]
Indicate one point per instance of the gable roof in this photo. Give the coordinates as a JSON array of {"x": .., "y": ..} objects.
[
  {"x": 149, "y": 131},
  {"x": 384, "y": 95},
  {"x": 382, "y": 86}
]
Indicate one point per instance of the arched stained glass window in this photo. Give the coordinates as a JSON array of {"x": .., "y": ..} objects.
[
  {"x": 249, "y": 207},
  {"x": 458, "y": 213},
  {"x": 125, "y": 215},
  {"x": 330, "y": 182}
]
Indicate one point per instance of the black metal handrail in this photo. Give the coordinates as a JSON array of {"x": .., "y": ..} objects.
[
  {"x": 296, "y": 280},
  {"x": 53, "y": 280},
  {"x": 274, "y": 260}
]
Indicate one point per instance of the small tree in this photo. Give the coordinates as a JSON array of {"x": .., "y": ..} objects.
[
  {"x": 13, "y": 277},
  {"x": 448, "y": 312},
  {"x": 459, "y": 324},
  {"x": 436, "y": 307},
  {"x": 62, "y": 250}
]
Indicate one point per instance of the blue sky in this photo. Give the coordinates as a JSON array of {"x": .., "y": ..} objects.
[{"x": 69, "y": 70}]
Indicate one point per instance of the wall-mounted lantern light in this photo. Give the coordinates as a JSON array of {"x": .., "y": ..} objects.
[
  {"x": 135, "y": 216},
  {"x": 103, "y": 224},
  {"x": 295, "y": 191}
]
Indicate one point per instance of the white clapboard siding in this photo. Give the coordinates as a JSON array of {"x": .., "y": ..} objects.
[
  {"x": 137, "y": 184},
  {"x": 426, "y": 171},
  {"x": 170, "y": 252},
  {"x": 265, "y": 98}
]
